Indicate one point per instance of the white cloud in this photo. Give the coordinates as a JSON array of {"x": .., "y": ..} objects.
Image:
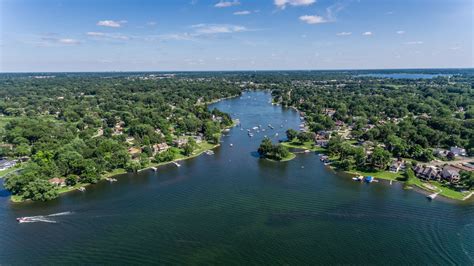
[
  {"x": 401, "y": 32},
  {"x": 103, "y": 35},
  {"x": 201, "y": 29},
  {"x": 176, "y": 37},
  {"x": 51, "y": 40},
  {"x": 69, "y": 41},
  {"x": 95, "y": 34},
  {"x": 313, "y": 19},
  {"x": 344, "y": 33},
  {"x": 367, "y": 33},
  {"x": 151, "y": 23},
  {"x": 111, "y": 23},
  {"x": 222, "y": 3},
  {"x": 414, "y": 43},
  {"x": 244, "y": 12},
  {"x": 283, "y": 3}
]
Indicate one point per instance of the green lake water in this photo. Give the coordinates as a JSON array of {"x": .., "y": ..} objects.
[{"x": 233, "y": 208}]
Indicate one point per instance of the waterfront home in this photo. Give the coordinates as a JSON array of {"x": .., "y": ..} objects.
[
  {"x": 397, "y": 166},
  {"x": 426, "y": 172},
  {"x": 322, "y": 143},
  {"x": 180, "y": 142},
  {"x": 450, "y": 173},
  {"x": 160, "y": 147},
  {"x": 442, "y": 153},
  {"x": 60, "y": 182},
  {"x": 457, "y": 151},
  {"x": 134, "y": 152},
  {"x": 198, "y": 139}
]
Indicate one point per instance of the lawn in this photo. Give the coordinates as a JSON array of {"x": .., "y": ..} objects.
[
  {"x": 290, "y": 157},
  {"x": 9, "y": 170},
  {"x": 387, "y": 175},
  {"x": 305, "y": 146}
]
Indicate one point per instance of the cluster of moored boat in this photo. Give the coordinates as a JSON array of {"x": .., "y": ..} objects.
[{"x": 258, "y": 129}]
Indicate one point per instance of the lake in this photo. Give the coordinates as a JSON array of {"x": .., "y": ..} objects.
[
  {"x": 404, "y": 75},
  {"x": 234, "y": 208}
]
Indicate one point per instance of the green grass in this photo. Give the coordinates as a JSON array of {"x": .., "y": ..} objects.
[
  {"x": 290, "y": 157},
  {"x": 9, "y": 170},
  {"x": 387, "y": 175},
  {"x": 202, "y": 147},
  {"x": 305, "y": 146}
]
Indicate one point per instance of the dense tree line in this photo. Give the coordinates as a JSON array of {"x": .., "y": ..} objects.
[{"x": 78, "y": 127}]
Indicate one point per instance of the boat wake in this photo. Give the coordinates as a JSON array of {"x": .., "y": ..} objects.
[{"x": 42, "y": 218}]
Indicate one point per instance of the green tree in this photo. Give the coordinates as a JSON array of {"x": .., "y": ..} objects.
[
  {"x": 40, "y": 190},
  {"x": 291, "y": 134},
  {"x": 380, "y": 158}
]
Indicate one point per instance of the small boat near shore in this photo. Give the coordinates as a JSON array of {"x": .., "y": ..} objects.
[
  {"x": 210, "y": 152},
  {"x": 177, "y": 164},
  {"x": 82, "y": 189},
  {"x": 154, "y": 169}
]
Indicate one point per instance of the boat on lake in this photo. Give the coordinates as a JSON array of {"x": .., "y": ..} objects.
[
  {"x": 369, "y": 179},
  {"x": 177, "y": 164},
  {"x": 23, "y": 219}
]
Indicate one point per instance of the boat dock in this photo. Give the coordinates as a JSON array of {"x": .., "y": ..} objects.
[{"x": 432, "y": 196}]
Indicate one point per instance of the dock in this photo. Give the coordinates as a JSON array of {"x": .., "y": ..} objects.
[{"x": 432, "y": 196}]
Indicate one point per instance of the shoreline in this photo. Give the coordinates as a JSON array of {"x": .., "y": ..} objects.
[
  {"x": 120, "y": 171},
  {"x": 287, "y": 159},
  {"x": 446, "y": 193}
]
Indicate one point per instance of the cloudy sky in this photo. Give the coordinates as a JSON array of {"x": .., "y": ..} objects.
[{"x": 146, "y": 35}]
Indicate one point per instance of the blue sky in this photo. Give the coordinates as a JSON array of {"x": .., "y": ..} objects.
[{"x": 161, "y": 35}]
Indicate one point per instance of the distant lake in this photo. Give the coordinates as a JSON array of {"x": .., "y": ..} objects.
[{"x": 404, "y": 75}]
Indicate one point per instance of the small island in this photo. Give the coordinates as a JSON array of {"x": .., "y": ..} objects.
[{"x": 274, "y": 152}]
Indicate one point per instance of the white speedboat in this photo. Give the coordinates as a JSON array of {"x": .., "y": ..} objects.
[{"x": 23, "y": 219}]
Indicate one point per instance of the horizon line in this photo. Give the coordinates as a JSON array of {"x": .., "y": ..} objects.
[{"x": 255, "y": 70}]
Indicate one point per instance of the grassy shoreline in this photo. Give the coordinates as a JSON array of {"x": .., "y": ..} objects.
[
  {"x": 203, "y": 147},
  {"x": 290, "y": 157},
  {"x": 304, "y": 146},
  {"x": 387, "y": 175}
]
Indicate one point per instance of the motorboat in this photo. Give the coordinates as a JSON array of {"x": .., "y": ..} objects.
[{"x": 23, "y": 219}]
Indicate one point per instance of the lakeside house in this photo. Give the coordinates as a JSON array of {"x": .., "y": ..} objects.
[
  {"x": 160, "y": 147},
  {"x": 397, "y": 166},
  {"x": 426, "y": 172},
  {"x": 180, "y": 142},
  {"x": 458, "y": 151},
  {"x": 60, "y": 182},
  {"x": 134, "y": 152},
  {"x": 450, "y": 173},
  {"x": 324, "y": 143}
]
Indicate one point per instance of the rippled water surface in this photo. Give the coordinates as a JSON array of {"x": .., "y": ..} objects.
[{"x": 232, "y": 208}]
